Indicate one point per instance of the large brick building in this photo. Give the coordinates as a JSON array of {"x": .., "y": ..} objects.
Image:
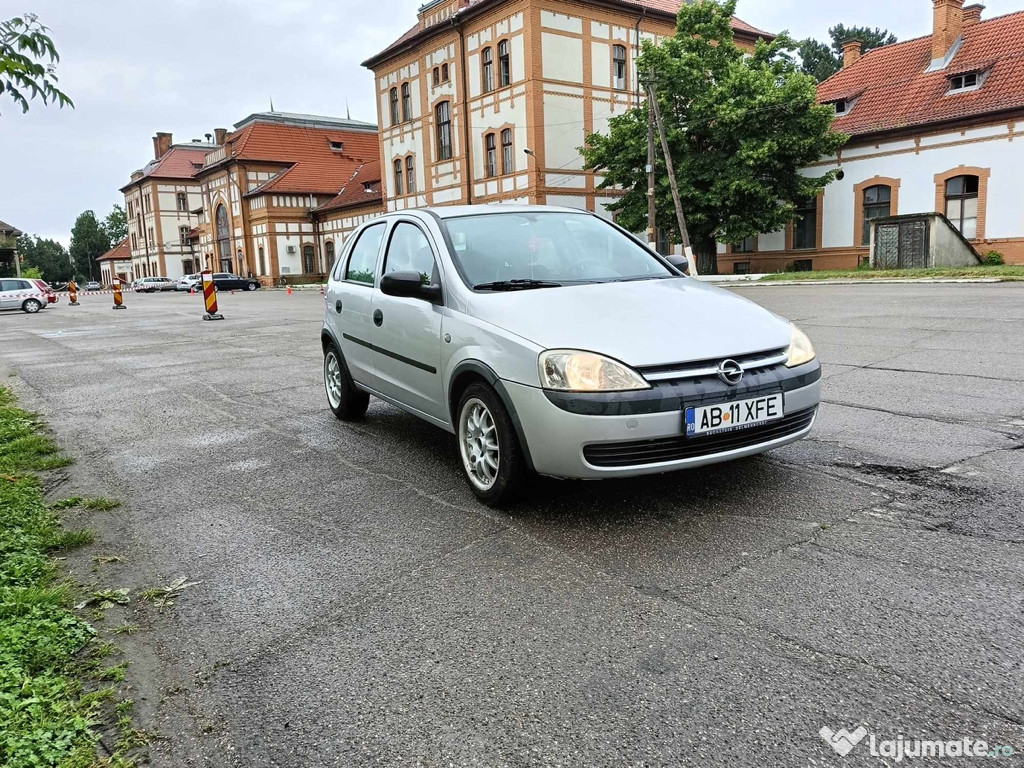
[
  {"x": 160, "y": 204},
  {"x": 935, "y": 126},
  {"x": 262, "y": 183},
  {"x": 475, "y": 83}
]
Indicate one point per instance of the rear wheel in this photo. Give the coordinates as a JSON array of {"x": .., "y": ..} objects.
[
  {"x": 31, "y": 306},
  {"x": 347, "y": 402},
  {"x": 492, "y": 459},
  {"x": 252, "y": 286}
]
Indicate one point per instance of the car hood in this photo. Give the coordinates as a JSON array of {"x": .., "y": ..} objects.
[{"x": 649, "y": 322}]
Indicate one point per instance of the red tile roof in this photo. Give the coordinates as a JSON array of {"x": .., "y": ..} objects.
[
  {"x": 664, "y": 7},
  {"x": 179, "y": 162},
  {"x": 120, "y": 252},
  {"x": 362, "y": 189},
  {"x": 315, "y": 167},
  {"x": 894, "y": 90}
]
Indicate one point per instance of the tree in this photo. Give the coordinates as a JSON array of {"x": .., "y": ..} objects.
[
  {"x": 48, "y": 256},
  {"x": 28, "y": 62},
  {"x": 821, "y": 61},
  {"x": 89, "y": 241},
  {"x": 739, "y": 131},
  {"x": 116, "y": 225}
]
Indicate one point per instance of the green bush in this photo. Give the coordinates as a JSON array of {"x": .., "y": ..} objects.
[{"x": 995, "y": 258}]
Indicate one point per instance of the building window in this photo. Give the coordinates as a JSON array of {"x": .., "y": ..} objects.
[
  {"x": 437, "y": 76},
  {"x": 508, "y": 161},
  {"x": 241, "y": 262},
  {"x": 968, "y": 82},
  {"x": 962, "y": 204},
  {"x": 619, "y": 67},
  {"x": 328, "y": 254},
  {"x": 182, "y": 200},
  {"x": 805, "y": 228},
  {"x": 803, "y": 265},
  {"x": 183, "y": 234},
  {"x": 504, "y": 65},
  {"x": 263, "y": 261},
  {"x": 741, "y": 268},
  {"x": 410, "y": 174},
  {"x": 746, "y": 245},
  {"x": 398, "y": 178},
  {"x": 444, "y": 131},
  {"x": 135, "y": 242},
  {"x": 488, "y": 59},
  {"x": 308, "y": 260},
  {"x": 394, "y": 106},
  {"x": 152, "y": 239},
  {"x": 877, "y": 205},
  {"x": 491, "y": 154},
  {"x": 223, "y": 239},
  {"x": 444, "y": 73},
  {"x": 406, "y": 102}
]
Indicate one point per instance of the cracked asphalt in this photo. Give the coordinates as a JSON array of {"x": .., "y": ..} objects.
[{"x": 356, "y": 607}]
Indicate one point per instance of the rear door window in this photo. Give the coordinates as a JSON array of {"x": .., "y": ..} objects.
[{"x": 362, "y": 263}]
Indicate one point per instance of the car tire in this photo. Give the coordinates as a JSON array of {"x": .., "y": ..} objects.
[
  {"x": 31, "y": 306},
  {"x": 252, "y": 286},
  {"x": 479, "y": 413},
  {"x": 346, "y": 401}
]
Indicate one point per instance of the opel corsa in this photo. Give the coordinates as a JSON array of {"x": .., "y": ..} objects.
[{"x": 551, "y": 340}]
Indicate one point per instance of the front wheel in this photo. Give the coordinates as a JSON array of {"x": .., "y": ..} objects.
[
  {"x": 492, "y": 459},
  {"x": 31, "y": 306},
  {"x": 252, "y": 286},
  {"x": 347, "y": 402}
]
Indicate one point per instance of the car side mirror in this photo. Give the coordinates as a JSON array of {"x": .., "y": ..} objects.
[
  {"x": 679, "y": 262},
  {"x": 409, "y": 284}
]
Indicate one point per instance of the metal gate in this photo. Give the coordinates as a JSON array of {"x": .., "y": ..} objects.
[{"x": 902, "y": 244}]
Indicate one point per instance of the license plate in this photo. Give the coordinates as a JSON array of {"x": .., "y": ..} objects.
[{"x": 725, "y": 417}]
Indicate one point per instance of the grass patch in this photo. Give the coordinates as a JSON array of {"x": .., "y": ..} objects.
[
  {"x": 96, "y": 503},
  {"x": 47, "y": 718},
  {"x": 982, "y": 271}
]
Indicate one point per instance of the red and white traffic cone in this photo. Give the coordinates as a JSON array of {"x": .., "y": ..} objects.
[{"x": 289, "y": 290}]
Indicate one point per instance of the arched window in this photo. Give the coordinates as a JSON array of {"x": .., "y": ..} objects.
[
  {"x": 444, "y": 130},
  {"x": 410, "y": 174},
  {"x": 487, "y": 56},
  {"x": 619, "y": 67},
  {"x": 406, "y": 102},
  {"x": 437, "y": 76},
  {"x": 444, "y": 73},
  {"x": 504, "y": 65},
  {"x": 263, "y": 261},
  {"x": 329, "y": 254},
  {"x": 491, "y": 151},
  {"x": 877, "y": 205},
  {"x": 223, "y": 238},
  {"x": 398, "y": 178},
  {"x": 508, "y": 161},
  {"x": 241, "y": 263},
  {"x": 962, "y": 204},
  {"x": 308, "y": 260},
  {"x": 394, "y": 106},
  {"x": 182, "y": 200}
]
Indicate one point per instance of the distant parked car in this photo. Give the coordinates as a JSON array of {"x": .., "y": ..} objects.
[
  {"x": 153, "y": 284},
  {"x": 186, "y": 282},
  {"x": 228, "y": 282},
  {"x": 23, "y": 294},
  {"x": 51, "y": 296},
  {"x": 92, "y": 285}
]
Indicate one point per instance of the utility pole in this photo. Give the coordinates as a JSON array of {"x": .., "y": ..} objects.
[
  {"x": 652, "y": 232},
  {"x": 680, "y": 217}
]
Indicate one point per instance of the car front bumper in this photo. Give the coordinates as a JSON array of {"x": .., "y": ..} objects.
[{"x": 567, "y": 444}]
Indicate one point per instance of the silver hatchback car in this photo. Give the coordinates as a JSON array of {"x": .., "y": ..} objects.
[{"x": 551, "y": 340}]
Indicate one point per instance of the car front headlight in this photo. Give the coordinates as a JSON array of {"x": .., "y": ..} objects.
[
  {"x": 800, "y": 348},
  {"x": 570, "y": 370}
]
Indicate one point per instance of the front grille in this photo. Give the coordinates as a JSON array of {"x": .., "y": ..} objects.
[
  {"x": 677, "y": 448},
  {"x": 756, "y": 362}
]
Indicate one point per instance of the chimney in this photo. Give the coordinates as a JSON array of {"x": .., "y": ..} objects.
[
  {"x": 972, "y": 15},
  {"x": 219, "y": 135},
  {"x": 949, "y": 23},
  {"x": 161, "y": 143},
  {"x": 851, "y": 52}
]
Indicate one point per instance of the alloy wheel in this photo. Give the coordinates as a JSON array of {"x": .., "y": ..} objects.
[
  {"x": 478, "y": 444},
  {"x": 332, "y": 378}
]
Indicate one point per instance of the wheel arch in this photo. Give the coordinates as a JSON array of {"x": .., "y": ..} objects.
[{"x": 469, "y": 371}]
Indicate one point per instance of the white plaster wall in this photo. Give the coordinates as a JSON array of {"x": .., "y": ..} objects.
[
  {"x": 569, "y": 201},
  {"x": 562, "y": 57},
  {"x": 563, "y": 135}
]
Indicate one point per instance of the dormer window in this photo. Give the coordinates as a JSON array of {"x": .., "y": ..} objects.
[
  {"x": 970, "y": 81},
  {"x": 337, "y": 146},
  {"x": 843, "y": 106}
]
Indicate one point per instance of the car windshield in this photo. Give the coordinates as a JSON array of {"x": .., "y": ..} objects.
[{"x": 522, "y": 250}]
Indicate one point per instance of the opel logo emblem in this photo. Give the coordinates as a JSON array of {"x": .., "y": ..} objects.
[{"x": 730, "y": 372}]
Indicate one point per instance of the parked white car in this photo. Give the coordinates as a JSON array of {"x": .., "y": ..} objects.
[
  {"x": 23, "y": 294},
  {"x": 185, "y": 282},
  {"x": 153, "y": 284}
]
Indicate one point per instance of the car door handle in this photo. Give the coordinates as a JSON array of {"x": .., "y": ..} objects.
[
  {"x": 378, "y": 318},
  {"x": 337, "y": 306}
]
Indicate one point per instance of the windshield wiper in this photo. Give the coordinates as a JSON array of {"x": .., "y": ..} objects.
[{"x": 524, "y": 284}]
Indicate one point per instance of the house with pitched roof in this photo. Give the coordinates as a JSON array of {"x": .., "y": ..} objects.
[
  {"x": 358, "y": 201},
  {"x": 486, "y": 101},
  {"x": 117, "y": 262},
  {"x": 160, "y": 204},
  {"x": 261, "y": 185},
  {"x": 935, "y": 127}
]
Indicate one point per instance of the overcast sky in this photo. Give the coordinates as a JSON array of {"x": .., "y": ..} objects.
[{"x": 189, "y": 66}]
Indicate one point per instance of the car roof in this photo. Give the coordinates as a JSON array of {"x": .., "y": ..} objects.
[{"x": 455, "y": 211}]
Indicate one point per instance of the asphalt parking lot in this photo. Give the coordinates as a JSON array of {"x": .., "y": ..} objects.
[{"x": 356, "y": 606}]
